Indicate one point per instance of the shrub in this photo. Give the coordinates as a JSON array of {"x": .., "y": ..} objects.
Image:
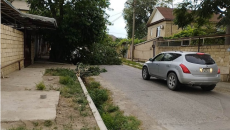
[
  {"x": 86, "y": 70},
  {"x": 41, "y": 86},
  {"x": 65, "y": 80}
]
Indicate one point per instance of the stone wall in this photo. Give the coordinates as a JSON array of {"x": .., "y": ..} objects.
[
  {"x": 12, "y": 49},
  {"x": 143, "y": 51}
]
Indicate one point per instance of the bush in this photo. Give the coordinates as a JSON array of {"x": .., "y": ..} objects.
[
  {"x": 65, "y": 80},
  {"x": 102, "y": 54},
  {"x": 41, "y": 86},
  {"x": 86, "y": 70},
  {"x": 123, "y": 51}
]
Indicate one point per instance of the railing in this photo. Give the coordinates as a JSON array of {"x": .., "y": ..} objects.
[{"x": 19, "y": 65}]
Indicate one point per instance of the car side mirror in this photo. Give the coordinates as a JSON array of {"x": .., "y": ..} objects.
[{"x": 150, "y": 59}]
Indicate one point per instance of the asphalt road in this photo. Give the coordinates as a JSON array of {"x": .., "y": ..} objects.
[{"x": 187, "y": 109}]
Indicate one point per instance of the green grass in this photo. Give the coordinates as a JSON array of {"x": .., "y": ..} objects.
[
  {"x": 113, "y": 118},
  {"x": 132, "y": 63},
  {"x": 40, "y": 86},
  {"x": 71, "y": 88},
  {"x": 48, "y": 123}
]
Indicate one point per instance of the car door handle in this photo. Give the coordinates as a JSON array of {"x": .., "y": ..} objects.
[{"x": 168, "y": 65}]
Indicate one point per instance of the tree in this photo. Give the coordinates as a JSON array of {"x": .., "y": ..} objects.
[
  {"x": 143, "y": 10},
  {"x": 200, "y": 13},
  {"x": 102, "y": 53},
  {"x": 81, "y": 23}
]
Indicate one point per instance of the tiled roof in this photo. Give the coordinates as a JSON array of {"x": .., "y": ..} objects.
[{"x": 168, "y": 14}]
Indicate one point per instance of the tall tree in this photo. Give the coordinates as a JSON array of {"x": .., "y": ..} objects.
[
  {"x": 143, "y": 10},
  {"x": 201, "y": 11},
  {"x": 81, "y": 23}
]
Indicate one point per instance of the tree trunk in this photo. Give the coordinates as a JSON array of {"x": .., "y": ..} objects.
[{"x": 227, "y": 39}]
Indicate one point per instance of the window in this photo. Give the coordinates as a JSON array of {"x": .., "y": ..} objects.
[
  {"x": 202, "y": 59},
  {"x": 158, "y": 32},
  {"x": 170, "y": 56},
  {"x": 158, "y": 58}
]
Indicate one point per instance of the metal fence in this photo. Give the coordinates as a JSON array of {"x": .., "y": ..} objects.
[{"x": 195, "y": 41}]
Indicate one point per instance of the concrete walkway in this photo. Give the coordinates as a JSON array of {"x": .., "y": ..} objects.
[{"x": 21, "y": 101}]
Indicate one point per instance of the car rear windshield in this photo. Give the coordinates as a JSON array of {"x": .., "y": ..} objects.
[{"x": 202, "y": 59}]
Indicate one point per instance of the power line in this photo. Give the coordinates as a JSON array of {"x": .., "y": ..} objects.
[
  {"x": 118, "y": 33},
  {"x": 116, "y": 19},
  {"x": 115, "y": 14}
]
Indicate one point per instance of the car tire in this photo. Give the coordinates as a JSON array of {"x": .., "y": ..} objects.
[
  {"x": 145, "y": 73},
  {"x": 173, "y": 82},
  {"x": 208, "y": 88}
]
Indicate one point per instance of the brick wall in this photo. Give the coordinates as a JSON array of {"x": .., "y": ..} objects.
[{"x": 12, "y": 48}]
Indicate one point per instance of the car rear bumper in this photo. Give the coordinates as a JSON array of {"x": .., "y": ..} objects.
[{"x": 195, "y": 80}]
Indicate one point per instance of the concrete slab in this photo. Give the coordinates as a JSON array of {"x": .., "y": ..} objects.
[
  {"x": 17, "y": 103},
  {"x": 26, "y": 78},
  {"x": 27, "y": 105}
]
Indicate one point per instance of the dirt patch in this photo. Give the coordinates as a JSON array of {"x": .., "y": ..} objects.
[
  {"x": 70, "y": 116},
  {"x": 129, "y": 108}
]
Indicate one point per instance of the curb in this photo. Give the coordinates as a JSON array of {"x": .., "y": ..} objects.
[{"x": 95, "y": 112}]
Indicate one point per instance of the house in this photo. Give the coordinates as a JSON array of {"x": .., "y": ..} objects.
[
  {"x": 160, "y": 23},
  {"x": 20, "y": 37},
  {"x": 113, "y": 37},
  {"x": 21, "y": 5}
]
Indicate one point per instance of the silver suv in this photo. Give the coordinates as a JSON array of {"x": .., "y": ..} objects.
[{"x": 191, "y": 68}]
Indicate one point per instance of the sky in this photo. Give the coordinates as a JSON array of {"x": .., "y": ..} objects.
[{"x": 116, "y": 17}]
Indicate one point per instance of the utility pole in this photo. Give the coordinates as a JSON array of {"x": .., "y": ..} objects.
[
  {"x": 132, "y": 46},
  {"x": 133, "y": 30},
  {"x": 172, "y": 20}
]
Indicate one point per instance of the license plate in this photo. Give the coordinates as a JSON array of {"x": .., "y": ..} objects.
[{"x": 206, "y": 70}]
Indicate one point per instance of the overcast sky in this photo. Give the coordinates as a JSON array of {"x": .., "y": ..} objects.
[{"x": 118, "y": 27}]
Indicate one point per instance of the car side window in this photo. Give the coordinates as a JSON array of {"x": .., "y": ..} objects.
[
  {"x": 170, "y": 56},
  {"x": 159, "y": 57}
]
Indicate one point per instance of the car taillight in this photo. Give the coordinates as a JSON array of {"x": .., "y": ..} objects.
[
  {"x": 185, "y": 69},
  {"x": 218, "y": 71},
  {"x": 200, "y": 53}
]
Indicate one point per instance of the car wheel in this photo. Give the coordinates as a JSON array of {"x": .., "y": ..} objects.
[
  {"x": 173, "y": 82},
  {"x": 145, "y": 73},
  {"x": 208, "y": 88}
]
